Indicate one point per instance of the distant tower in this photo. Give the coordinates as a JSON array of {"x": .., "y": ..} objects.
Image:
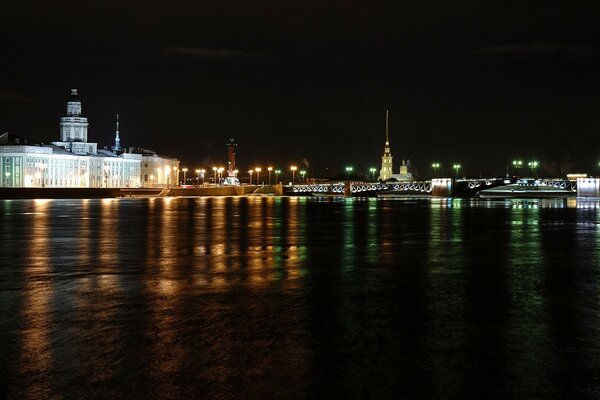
[
  {"x": 73, "y": 127},
  {"x": 386, "y": 159},
  {"x": 231, "y": 157},
  {"x": 117, "y": 146}
]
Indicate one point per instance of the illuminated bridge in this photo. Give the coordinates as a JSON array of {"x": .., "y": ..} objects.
[{"x": 435, "y": 187}]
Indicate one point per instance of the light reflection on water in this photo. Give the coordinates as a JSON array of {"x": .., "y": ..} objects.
[{"x": 295, "y": 297}]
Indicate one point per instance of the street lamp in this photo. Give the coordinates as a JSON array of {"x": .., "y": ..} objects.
[
  {"x": 185, "y": 170},
  {"x": 202, "y": 172},
  {"x": 250, "y": 172},
  {"x": 435, "y": 167},
  {"x": 302, "y": 173},
  {"x": 235, "y": 172},
  {"x": 197, "y": 177},
  {"x": 42, "y": 166},
  {"x": 533, "y": 165},
  {"x": 167, "y": 173},
  {"x": 277, "y": 172},
  {"x": 373, "y": 170},
  {"x": 7, "y": 178},
  {"x": 106, "y": 169},
  {"x": 293, "y": 168},
  {"x": 220, "y": 171},
  {"x": 270, "y": 169},
  {"x": 215, "y": 178},
  {"x": 516, "y": 165},
  {"x": 348, "y": 171},
  {"x": 258, "y": 169},
  {"x": 456, "y": 167},
  {"x": 175, "y": 169}
]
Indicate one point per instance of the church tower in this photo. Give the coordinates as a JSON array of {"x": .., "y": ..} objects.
[
  {"x": 73, "y": 127},
  {"x": 386, "y": 159}
]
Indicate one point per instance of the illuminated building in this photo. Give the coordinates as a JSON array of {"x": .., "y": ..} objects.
[{"x": 75, "y": 162}]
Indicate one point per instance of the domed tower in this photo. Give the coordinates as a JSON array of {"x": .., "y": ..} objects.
[{"x": 73, "y": 127}]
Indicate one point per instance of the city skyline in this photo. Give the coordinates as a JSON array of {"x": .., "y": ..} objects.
[{"x": 469, "y": 83}]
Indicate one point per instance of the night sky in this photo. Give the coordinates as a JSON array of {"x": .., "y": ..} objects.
[{"x": 476, "y": 83}]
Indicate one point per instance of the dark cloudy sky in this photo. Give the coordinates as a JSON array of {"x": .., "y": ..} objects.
[{"x": 475, "y": 82}]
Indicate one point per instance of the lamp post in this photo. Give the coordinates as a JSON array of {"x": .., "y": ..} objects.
[
  {"x": 167, "y": 173},
  {"x": 516, "y": 165},
  {"x": 250, "y": 171},
  {"x": 106, "y": 169},
  {"x": 270, "y": 169},
  {"x": 198, "y": 177},
  {"x": 303, "y": 173},
  {"x": 277, "y": 172},
  {"x": 293, "y": 168},
  {"x": 220, "y": 171},
  {"x": 348, "y": 171},
  {"x": 456, "y": 167},
  {"x": 435, "y": 167},
  {"x": 215, "y": 178},
  {"x": 7, "y": 178},
  {"x": 533, "y": 165},
  {"x": 185, "y": 170},
  {"x": 42, "y": 167},
  {"x": 373, "y": 170},
  {"x": 258, "y": 169}
]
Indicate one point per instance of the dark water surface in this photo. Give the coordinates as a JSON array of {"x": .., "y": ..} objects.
[{"x": 289, "y": 298}]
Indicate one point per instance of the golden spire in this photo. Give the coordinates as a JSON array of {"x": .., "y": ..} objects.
[{"x": 387, "y": 130}]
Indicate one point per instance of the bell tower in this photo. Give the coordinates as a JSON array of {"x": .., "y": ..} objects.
[{"x": 386, "y": 159}]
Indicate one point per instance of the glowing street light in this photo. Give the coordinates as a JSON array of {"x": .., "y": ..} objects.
[
  {"x": 185, "y": 170},
  {"x": 277, "y": 172},
  {"x": 302, "y": 173},
  {"x": 516, "y": 165},
  {"x": 258, "y": 169},
  {"x": 220, "y": 171},
  {"x": 435, "y": 167},
  {"x": 533, "y": 165},
  {"x": 235, "y": 172},
  {"x": 270, "y": 169},
  {"x": 373, "y": 170},
  {"x": 293, "y": 168},
  {"x": 349, "y": 169},
  {"x": 456, "y": 167},
  {"x": 197, "y": 177},
  {"x": 250, "y": 172},
  {"x": 215, "y": 178}
]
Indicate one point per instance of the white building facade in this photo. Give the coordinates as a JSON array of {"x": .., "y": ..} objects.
[{"x": 74, "y": 162}]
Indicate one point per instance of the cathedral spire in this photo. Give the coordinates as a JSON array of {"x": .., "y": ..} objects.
[
  {"x": 387, "y": 128},
  {"x": 386, "y": 159}
]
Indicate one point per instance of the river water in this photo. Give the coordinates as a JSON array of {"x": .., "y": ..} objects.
[{"x": 258, "y": 298}]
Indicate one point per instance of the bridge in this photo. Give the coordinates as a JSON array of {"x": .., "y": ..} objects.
[{"x": 435, "y": 187}]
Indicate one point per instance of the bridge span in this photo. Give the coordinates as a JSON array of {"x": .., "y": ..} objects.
[{"x": 443, "y": 187}]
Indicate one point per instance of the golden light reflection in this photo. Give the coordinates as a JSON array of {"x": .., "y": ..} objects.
[{"x": 36, "y": 355}]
